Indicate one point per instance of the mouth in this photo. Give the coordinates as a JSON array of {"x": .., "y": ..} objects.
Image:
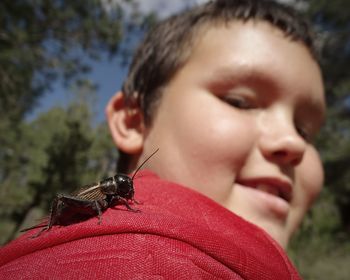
[{"x": 273, "y": 186}]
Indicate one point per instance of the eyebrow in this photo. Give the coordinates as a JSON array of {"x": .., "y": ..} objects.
[
  {"x": 231, "y": 76},
  {"x": 242, "y": 73},
  {"x": 227, "y": 77}
]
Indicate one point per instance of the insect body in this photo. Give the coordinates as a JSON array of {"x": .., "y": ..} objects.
[{"x": 91, "y": 200}]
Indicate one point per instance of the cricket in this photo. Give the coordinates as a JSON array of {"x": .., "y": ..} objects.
[{"x": 91, "y": 200}]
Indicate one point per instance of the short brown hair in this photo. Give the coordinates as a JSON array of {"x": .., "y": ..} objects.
[{"x": 168, "y": 46}]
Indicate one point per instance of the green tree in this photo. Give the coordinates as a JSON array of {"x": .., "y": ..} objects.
[
  {"x": 36, "y": 43},
  {"x": 335, "y": 17},
  {"x": 40, "y": 41},
  {"x": 64, "y": 151},
  {"x": 321, "y": 248}
]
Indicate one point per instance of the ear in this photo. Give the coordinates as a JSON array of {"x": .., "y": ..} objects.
[{"x": 125, "y": 124}]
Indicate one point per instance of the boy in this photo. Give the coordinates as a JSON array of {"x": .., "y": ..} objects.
[
  {"x": 232, "y": 95},
  {"x": 232, "y": 100}
]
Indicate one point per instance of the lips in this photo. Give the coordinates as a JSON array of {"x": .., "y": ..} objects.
[{"x": 271, "y": 185}]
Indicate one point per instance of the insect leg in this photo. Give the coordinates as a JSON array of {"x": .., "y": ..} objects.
[
  {"x": 52, "y": 217},
  {"x": 39, "y": 232},
  {"x": 85, "y": 206},
  {"x": 127, "y": 205},
  {"x": 53, "y": 211},
  {"x": 136, "y": 201},
  {"x": 99, "y": 212}
]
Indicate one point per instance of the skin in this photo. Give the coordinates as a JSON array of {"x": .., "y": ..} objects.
[{"x": 236, "y": 124}]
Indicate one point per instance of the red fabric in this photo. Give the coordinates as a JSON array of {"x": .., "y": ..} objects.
[{"x": 179, "y": 234}]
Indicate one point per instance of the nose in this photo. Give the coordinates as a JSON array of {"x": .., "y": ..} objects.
[{"x": 280, "y": 142}]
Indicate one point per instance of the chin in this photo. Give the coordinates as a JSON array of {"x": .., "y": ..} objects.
[{"x": 279, "y": 236}]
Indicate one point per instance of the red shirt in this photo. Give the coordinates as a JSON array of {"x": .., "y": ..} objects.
[{"x": 179, "y": 234}]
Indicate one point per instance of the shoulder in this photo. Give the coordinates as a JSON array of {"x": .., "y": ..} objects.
[{"x": 178, "y": 233}]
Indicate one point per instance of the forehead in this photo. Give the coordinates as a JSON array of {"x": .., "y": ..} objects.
[
  {"x": 258, "y": 52},
  {"x": 251, "y": 39}
]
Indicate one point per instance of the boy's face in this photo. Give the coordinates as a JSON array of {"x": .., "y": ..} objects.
[{"x": 235, "y": 122}]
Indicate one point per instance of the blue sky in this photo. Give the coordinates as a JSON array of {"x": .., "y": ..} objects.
[{"x": 108, "y": 74}]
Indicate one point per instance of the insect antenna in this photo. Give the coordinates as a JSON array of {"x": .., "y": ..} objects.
[{"x": 142, "y": 164}]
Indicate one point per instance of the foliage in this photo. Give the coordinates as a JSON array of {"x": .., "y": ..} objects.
[
  {"x": 320, "y": 250},
  {"x": 63, "y": 151},
  {"x": 36, "y": 43},
  {"x": 41, "y": 40}
]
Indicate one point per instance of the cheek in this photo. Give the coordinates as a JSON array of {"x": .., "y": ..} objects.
[
  {"x": 219, "y": 134},
  {"x": 309, "y": 181},
  {"x": 233, "y": 139},
  {"x": 202, "y": 145},
  {"x": 211, "y": 130},
  {"x": 310, "y": 177}
]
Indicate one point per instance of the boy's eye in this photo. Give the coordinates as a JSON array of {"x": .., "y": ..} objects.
[
  {"x": 304, "y": 133},
  {"x": 239, "y": 102}
]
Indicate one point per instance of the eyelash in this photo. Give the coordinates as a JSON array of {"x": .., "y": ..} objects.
[
  {"x": 239, "y": 102},
  {"x": 304, "y": 134},
  {"x": 245, "y": 104}
]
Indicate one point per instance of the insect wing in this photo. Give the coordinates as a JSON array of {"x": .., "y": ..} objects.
[{"x": 90, "y": 192}]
